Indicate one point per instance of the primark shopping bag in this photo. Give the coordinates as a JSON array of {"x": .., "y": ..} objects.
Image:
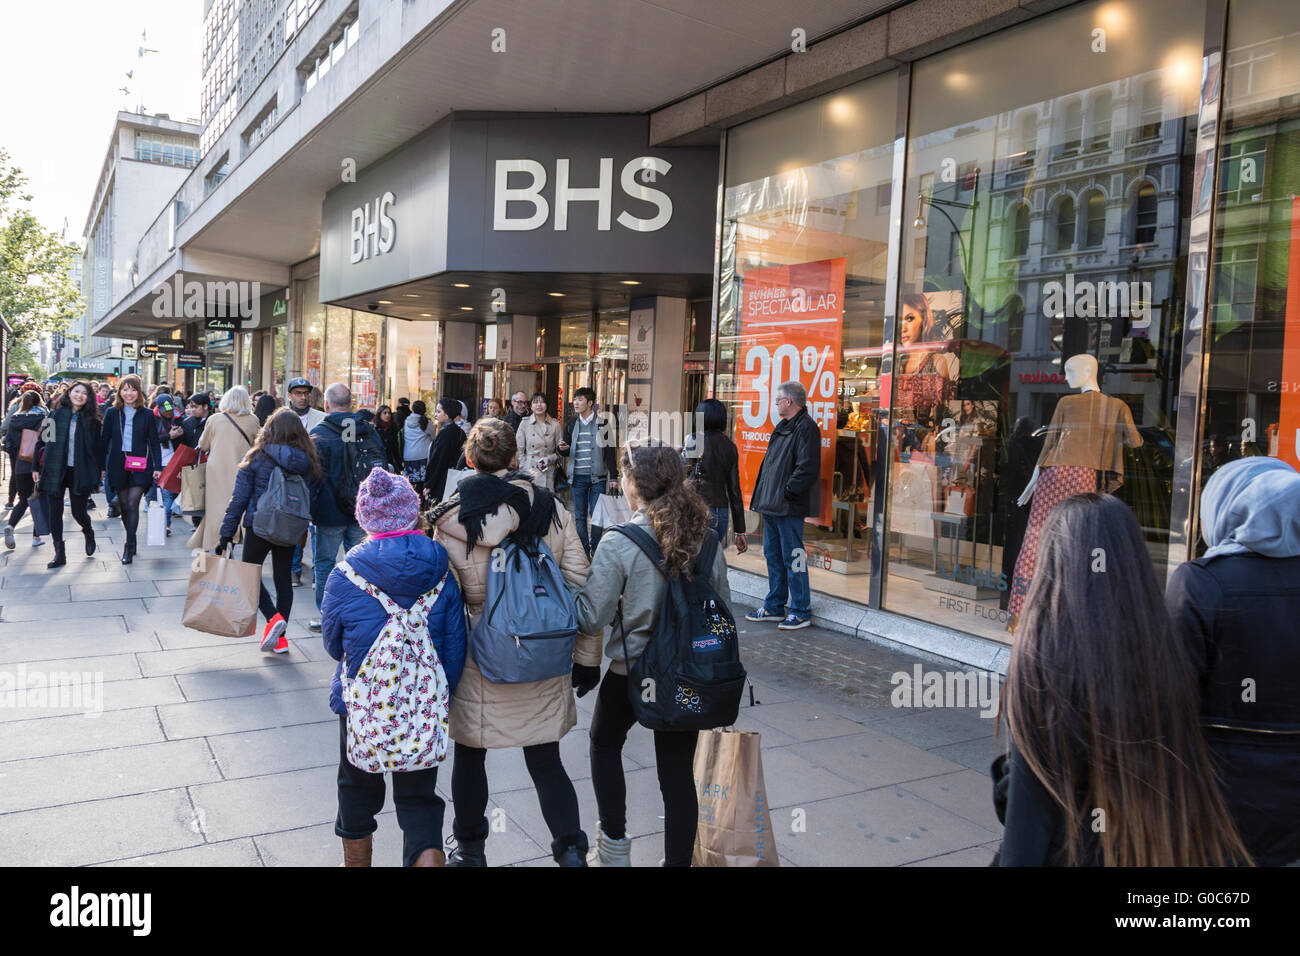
[
  {"x": 155, "y": 535},
  {"x": 222, "y": 596},
  {"x": 735, "y": 827}
]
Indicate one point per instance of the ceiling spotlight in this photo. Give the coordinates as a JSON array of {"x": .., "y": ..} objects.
[
  {"x": 461, "y": 285},
  {"x": 385, "y": 302},
  {"x": 630, "y": 282},
  {"x": 558, "y": 295},
  {"x": 467, "y": 308},
  {"x": 426, "y": 315},
  {"x": 411, "y": 295}
]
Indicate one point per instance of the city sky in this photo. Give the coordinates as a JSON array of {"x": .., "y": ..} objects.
[{"x": 62, "y": 66}]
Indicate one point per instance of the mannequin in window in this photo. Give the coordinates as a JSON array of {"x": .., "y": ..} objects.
[{"x": 1083, "y": 451}]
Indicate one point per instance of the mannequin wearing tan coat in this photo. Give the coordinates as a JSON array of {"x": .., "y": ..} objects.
[
  {"x": 487, "y": 715},
  {"x": 226, "y": 448}
]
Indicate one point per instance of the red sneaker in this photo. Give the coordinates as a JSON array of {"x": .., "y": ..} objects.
[
  {"x": 282, "y": 646},
  {"x": 273, "y": 636}
]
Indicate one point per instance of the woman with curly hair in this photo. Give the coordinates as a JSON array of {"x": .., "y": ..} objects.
[{"x": 654, "y": 480}]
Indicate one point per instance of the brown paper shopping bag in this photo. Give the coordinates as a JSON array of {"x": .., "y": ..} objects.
[
  {"x": 735, "y": 828},
  {"x": 194, "y": 484},
  {"x": 222, "y": 596}
]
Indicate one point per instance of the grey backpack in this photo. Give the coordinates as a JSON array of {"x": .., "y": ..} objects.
[
  {"x": 530, "y": 622},
  {"x": 284, "y": 510}
]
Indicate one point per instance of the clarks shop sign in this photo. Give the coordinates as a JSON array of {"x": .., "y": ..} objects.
[{"x": 487, "y": 194}]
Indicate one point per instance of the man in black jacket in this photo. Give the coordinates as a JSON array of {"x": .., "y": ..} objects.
[
  {"x": 518, "y": 409},
  {"x": 787, "y": 490}
]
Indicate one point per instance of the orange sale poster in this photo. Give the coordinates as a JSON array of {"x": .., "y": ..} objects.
[
  {"x": 1289, "y": 424},
  {"x": 790, "y": 329}
]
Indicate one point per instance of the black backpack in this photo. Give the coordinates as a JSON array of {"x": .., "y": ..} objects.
[
  {"x": 360, "y": 457},
  {"x": 689, "y": 677}
]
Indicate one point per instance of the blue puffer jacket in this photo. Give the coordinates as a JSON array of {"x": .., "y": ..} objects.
[
  {"x": 403, "y": 568},
  {"x": 251, "y": 482}
]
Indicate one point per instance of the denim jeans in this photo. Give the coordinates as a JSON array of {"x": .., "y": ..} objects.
[
  {"x": 783, "y": 547},
  {"x": 718, "y": 521},
  {"x": 168, "y": 498},
  {"x": 586, "y": 490},
  {"x": 110, "y": 493},
  {"x": 296, "y": 568},
  {"x": 325, "y": 544}
]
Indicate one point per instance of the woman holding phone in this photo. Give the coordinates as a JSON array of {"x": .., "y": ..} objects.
[
  {"x": 537, "y": 439},
  {"x": 132, "y": 454}
]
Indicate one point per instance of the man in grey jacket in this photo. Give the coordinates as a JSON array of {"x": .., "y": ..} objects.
[{"x": 787, "y": 490}]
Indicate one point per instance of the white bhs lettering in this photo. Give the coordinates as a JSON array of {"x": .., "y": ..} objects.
[
  {"x": 373, "y": 233},
  {"x": 601, "y": 194}
]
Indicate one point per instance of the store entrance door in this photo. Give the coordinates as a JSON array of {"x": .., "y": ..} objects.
[{"x": 528, "y": 379}]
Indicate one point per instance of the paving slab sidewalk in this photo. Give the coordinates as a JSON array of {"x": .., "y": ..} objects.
[{"x": 202, "y": 751}]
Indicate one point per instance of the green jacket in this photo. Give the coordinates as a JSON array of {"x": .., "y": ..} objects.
[{"x": 616, "y": 563}]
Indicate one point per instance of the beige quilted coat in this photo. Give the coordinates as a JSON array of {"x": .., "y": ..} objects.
[{"x": 488, "y": 715}]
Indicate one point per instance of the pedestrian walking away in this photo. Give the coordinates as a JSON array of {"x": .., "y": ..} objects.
[
  {"x": 490, "y": 506},
  {"x": 1232, "y": 608},
  {"x": 20, "y": 445},
  {"x": 132, "y": 456},
  {"x": 713, "y": 468},
  {"x": 226, "y": 439},
  {"x": 341, "y": 439},
  {"x": 1106, "y": 763},
  {"x": 786, "y": 491},
  {"x": 70, "y": 458},
  {"x": 417, "y": 439},
  {"x": 396, "y": 563},
  {"x": 653, "y": 479},
  {"x": 282, "y": 444}
]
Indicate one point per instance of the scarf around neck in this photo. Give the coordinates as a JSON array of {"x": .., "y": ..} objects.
[{"x": 480, "y": 495}]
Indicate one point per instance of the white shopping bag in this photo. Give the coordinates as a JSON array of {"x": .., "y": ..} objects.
[
  {"x": 453, "y": 479},
  {"x": 611, "y": 510},
  {"x": 156, "y": 533}
]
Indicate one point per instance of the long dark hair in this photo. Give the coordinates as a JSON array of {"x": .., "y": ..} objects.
[
  {"x": 677, "y": 513},
  {"x": 30, "y": 398},
  {"x": 265, "y": 407},
  {"x": 419, "y": 408},
  {"x": 1102, "y": 699},
  {"x": 284, "y": 428},
  {"x": 711, "y": 443},
  {"x": 90, "y": 410},
  {"x": 382, "y": 425}
]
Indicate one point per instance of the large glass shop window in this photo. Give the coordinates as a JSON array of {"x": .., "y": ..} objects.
[
  {"x": 805, "y": 248},
  {"x": 1253, "y": 394},
  {"x": 1044, "y": 256}
]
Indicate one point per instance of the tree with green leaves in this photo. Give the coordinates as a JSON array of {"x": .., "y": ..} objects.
[{"x": 37, "y": 294}]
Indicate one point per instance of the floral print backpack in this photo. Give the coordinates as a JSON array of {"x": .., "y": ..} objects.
[{"x": 397, "y": 704}]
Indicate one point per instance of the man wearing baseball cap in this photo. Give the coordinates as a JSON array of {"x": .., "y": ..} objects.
[{"x": 299, "y": 390}]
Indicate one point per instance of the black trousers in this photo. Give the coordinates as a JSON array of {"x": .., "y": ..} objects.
[
  {"x": 13, "y": 474},
  {"x": 128, "y": 500},
  {"x": 674, "y": 760},
  {"x": 415, "y": 797},
  {"x": 55, "y": 507},
  {"x": 255, "y": 551},
  {"x": 24, "y": 487},
  {"x": 469, "y": 795}
]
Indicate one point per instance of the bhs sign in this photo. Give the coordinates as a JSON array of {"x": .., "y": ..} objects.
[
  {"x": 373, "y": 232},
  {"x": 632, "y": 179}
]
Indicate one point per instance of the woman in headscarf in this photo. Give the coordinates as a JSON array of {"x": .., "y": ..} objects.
[{"x": 1238, "y": 609}]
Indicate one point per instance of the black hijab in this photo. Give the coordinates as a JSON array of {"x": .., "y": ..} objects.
[{"x": 479, "y": 495}]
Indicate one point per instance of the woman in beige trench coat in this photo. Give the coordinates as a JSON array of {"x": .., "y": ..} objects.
[
  {"x": 537, "y": 439},
  {"x": 226, "y": 438},
  {"x": 488, "y": 506}
]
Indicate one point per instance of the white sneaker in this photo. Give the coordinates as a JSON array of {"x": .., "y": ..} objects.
[
  {"x": 36, "y": 541},
  {"x": 609, "y": 852},
  {"x": 9, "y": 537}
]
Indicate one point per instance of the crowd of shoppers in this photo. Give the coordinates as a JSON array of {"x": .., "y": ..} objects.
[{"x": 1176, "y": 716}]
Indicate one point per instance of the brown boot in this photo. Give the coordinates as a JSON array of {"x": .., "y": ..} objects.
[
  {"x": 431, "y": 857},
  {"x": 357, "y": 852}
]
